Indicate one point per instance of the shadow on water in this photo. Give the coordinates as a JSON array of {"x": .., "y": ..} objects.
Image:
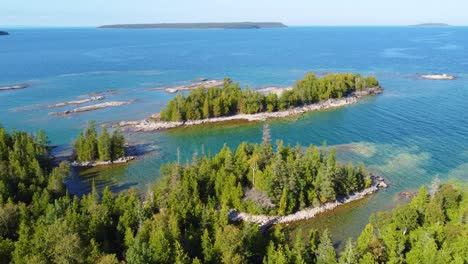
[{"x": 82, "y": 180}]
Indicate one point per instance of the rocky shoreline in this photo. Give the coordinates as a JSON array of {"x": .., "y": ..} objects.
[
  {"x": 265, "y": 221},
  {"x": 151, "y": 124},
  {"x": 81, "y": 164}
]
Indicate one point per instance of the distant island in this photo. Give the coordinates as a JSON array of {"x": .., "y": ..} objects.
[
  {"x": 3, "y": 33},
  {"x": 431, "y": 25},
  {"x": 230, "y": 25}
]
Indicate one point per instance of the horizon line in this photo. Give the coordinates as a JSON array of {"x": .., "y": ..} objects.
[{"x": 288, "y": 25}]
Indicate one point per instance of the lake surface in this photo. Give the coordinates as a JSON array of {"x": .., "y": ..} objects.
[{"x": 415, "y": 131}]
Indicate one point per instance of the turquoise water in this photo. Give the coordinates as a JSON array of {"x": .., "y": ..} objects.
[{"x": 415, "y": 131}]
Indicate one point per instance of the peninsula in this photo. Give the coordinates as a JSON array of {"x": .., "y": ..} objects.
[
  {"x": 230, "y": 102},
  {"x": 229, "y": 25},
  {"x": 4, "y": 33}
]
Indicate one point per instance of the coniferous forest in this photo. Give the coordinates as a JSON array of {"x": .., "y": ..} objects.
[
  {"x": 183, "y": 218},
  {"x": 230, "y": 99},
  {"x": 89, "y": 146}
]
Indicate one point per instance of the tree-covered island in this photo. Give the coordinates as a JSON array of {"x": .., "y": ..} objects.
[
  {"x": 231, "y": 100},
  {"x": 183, "y": 218},
  {"x": 92, "y": 148}
]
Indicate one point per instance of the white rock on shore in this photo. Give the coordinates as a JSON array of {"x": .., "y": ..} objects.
[
  {"x": 148, "y": 125},
  {"x": 100, "y": 163},
  {"x": 204, "y": 83},
  {"x": 265, "y": 221},
  {"x": 274, "y": 89}
]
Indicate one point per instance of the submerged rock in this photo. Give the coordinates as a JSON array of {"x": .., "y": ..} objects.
[
  {"x": 77, "y": 102},
  {"x": 408, "y": 194}
]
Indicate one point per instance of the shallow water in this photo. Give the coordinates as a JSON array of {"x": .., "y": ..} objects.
[{"x": 415, "y": 131}]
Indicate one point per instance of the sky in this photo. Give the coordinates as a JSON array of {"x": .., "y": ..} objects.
[{"x": 290, "y": 12}]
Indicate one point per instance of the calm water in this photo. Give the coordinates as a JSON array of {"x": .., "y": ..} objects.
[{"x": 415, "y": 131}]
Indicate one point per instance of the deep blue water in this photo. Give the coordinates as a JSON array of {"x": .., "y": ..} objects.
[{"x": 415, "y": 131}]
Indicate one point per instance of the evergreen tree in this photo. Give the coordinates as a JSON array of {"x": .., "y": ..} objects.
[
  {"x": 325, "y": 252},
  {"x": 118, "y": 145},
  {"x": 105, "y": 145}
]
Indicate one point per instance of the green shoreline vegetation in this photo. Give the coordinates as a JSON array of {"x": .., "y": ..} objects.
[
  {"x": 256, "y": 179},
  {"x": 230, "y": 99},
  {"x": 183, "y": 218},
  {"x": 89, "y": 146}
]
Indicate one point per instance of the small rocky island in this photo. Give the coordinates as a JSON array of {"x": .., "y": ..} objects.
[
  {"x": 441, "y": 77},
  {"x": 13, "y": 87},
  {"x": 92, "y": 149},
  {"x": 230, "y": 102},
  {"x": 4, "y": 33},
  {"x": 229, "y": 25}
]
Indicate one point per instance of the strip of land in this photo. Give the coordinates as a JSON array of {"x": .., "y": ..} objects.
[
  {"x": 152, "y": 124},
  {"x": 77, "y": 102},
  {"x": 229, "y": 25},
  {"x": 13, "y": 87},
  {"x": 265, "y": 221},
  {"x": 91, "y": 108}
]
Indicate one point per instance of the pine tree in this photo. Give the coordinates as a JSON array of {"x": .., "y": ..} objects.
[
  {"x": 104, "y": 145},
  {"x": 325, "y": 252},
  {"x": 90, "y": 144},
  {"x": 350, "y": 254},
  {"x": 80, "y": 147},
  {"x": 118, "y": 145},
  {"x": 206, "y": 108},
  {"x": 283, "y": 204}
]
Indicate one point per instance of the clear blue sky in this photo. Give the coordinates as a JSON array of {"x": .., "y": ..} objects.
[{"x": 291, "y": 12}]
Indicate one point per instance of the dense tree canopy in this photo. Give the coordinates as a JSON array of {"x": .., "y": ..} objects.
[
  {"x": 257, "y": 179},
  {"x": 230, "y": 99},
  {"x": 184, "y": 217},
  {"x": 89, "y": 146}
]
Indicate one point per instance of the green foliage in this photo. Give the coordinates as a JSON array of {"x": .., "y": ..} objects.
[
  {"x": 89, "y": 146},
  {"x": 231, "y": 99},
  {"x": 184, "y": 217},
  {"x": 279, "y": 182}
]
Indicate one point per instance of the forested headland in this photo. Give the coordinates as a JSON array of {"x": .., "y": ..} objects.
[
  {"x": 230, "y": 99},
  {"x": 183, "y": 218},
  {"x": 256, "y": 179},
  {"x": 91, "y": 146}
]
